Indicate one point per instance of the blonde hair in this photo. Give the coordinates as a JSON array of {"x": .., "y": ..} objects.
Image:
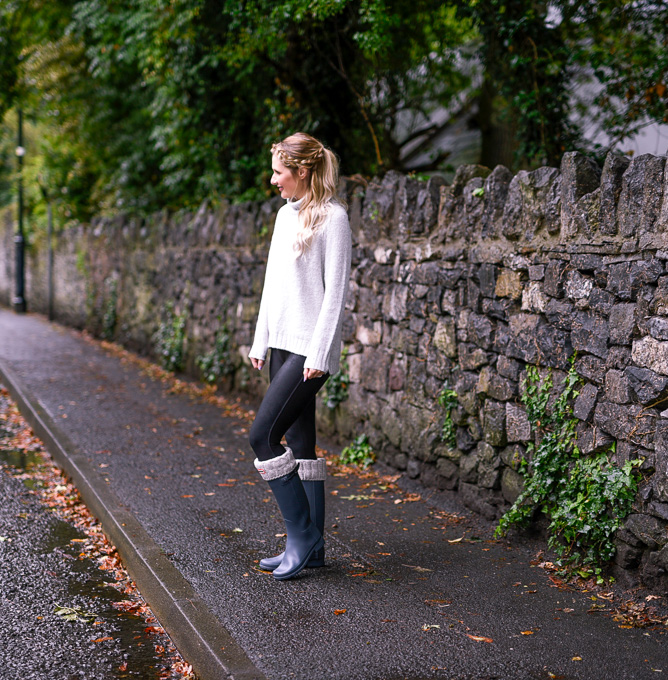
[{"x": 303, "y": 151}]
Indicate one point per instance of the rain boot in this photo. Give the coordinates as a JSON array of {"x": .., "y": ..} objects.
[
  {"x": 312, "y": 473},
  {"x": 303, "y": 536}
]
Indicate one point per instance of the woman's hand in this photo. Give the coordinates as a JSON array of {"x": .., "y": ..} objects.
[
  {"x": 257, "y": 363},
  {"x": 312, "y": 373}
]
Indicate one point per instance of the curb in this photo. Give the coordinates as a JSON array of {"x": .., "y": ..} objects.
[{"x": 195, "y": 631}]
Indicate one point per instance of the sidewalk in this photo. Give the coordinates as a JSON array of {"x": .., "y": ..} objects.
[{"x": 172, "y": 480}]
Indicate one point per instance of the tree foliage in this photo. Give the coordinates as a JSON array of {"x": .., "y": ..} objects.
[{"x": 137, "y": 105}]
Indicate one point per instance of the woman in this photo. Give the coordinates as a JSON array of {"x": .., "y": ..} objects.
[{"x": 300, "y": 319}]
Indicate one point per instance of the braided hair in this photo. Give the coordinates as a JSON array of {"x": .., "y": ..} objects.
[{"x": 303, "y": 151}]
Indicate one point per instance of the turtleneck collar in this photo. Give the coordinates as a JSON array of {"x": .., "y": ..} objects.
[{"x": 295, "y": 205}]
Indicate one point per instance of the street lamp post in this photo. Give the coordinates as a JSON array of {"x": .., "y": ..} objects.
[{"x": 19, "y": 241}]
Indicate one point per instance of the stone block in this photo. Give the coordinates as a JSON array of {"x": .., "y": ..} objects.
[
  {"x": 452, "y": 222},
  {"x": 445, "y": 337},
  {"x": 449, "y": 471},
  {"x": 536, "y": 272},
  {"x": 479, "y": 331},
  {"x": 592, "y": 439},
  {"x": 655, "y": 571},
  {"x": 586, "y": 215},
  {"x": 478, "y": 500},
  {"x": 512, "y": 485},
  {"x": 487, "y": 274},
  {"x": 590, "y": 334},
  {"x": 533, "y": 299},
  {"x": 622, "y": 323},
  {"x": 650, "y": 530},
  {"x": 404, "y": 340},
  {"x": 494, "y": 386},
  {"x": 374, "y": 370},
  {"x": 509, "y": 284},
  {"x": 394, "y": 303},
  {"x": 625, "y": 279},
  {"x": 626, "y": 556},
  {"x": 496, "y": 192},
  {"x": 397, "y": 376},
  {"x": 369, "y": 332},
  {"x": 601, "y": 301},
  {"x": 646, "y": 386},
  {"x": 541, "y": 192},
  {"x": 577, "y": 286},
  {"x": 579, "y": 176},
  {"x": 611, "y": 187},
  {"x": 650, "y": 353},
  {"x": 658, "y": 327},
  {"x": 585, "y": 402},
  {"x": 518, "y": 427},
  {"x": 623, "y": 421},
  {"x": 513, "y": 455},
  {"x": 413, "y": 468},
  {"x": 508, "y": 368},
  {"x": 400, "y": 461},
  {"x": 534, "y": 341},
  {"x": 659, "y": 510},
  {"x": 560, "y": 314},
  {"x": 465, "y": 440},
  {"x": 424, "y": 211},
  {"x": 512, "y": 223},
  {"x": 640, "y": 199},
  {"x": 468, "y": 467},
  {"x": 617, "y": 387},
  {"x": 555, "y": 277},
  {"x": 494, "y": 423},
  {"x": 392, "y": 426}
]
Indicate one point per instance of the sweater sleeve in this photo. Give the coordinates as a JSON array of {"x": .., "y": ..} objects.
[
  {"x": 337, "y": 256},
  {"x": 261, "y": 338}
]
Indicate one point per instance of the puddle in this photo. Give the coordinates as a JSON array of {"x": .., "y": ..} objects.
[
  {"x": 20, "y": 460},
  {"x": 86, "y": 580}
]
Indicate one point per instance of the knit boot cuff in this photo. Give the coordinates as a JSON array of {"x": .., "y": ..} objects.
[
  {"x": 276, "y": 467},
  {"x": 312, "y": 470}
]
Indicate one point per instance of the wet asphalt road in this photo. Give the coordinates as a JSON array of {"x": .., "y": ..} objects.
[
  {"x": 398, "y": 599},
  {"x": 40, "y": 570}
]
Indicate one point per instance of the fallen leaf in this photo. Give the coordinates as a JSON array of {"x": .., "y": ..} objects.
[
  {"x": 411, "y": 566},
  {"x": 103, "y": 639},
  {"x": 237, "y": 531},
  {"x": 527, "y": 632},
  {"x": 479, "y": 638},
  {"x": 188, "y": 495},
  {"x": 456, "y": 540},
  {"x": 429, "y": 626},
  {"x": 337, "y": 612},
  {"x": 576, "y": 658}
]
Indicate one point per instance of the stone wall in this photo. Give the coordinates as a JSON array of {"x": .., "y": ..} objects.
[{"x": 463, "y": 284}]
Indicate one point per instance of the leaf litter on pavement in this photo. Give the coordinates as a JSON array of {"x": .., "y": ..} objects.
[{"x": 55, "y": 491}]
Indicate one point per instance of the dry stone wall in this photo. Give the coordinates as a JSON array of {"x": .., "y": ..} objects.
[{"x": 463, "y": 284}]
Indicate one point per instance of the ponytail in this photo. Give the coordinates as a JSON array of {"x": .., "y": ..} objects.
[{"x": 303, "y": 151}]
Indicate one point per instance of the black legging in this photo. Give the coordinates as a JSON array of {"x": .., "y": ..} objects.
[{"x": 288, "y": 409}]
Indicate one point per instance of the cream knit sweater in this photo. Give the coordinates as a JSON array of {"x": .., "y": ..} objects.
[{"x": 301, "y": 310}]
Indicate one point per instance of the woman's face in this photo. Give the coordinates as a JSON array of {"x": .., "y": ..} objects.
[{"x": 287, "y": 182}]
